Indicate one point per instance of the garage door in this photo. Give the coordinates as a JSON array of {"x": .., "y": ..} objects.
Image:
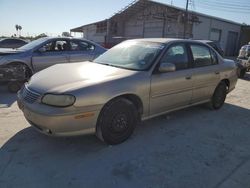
[{"x": 232, "y": 43}]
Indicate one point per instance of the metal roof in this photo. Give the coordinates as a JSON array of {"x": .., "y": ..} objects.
[{"x": 139, "y": 5}]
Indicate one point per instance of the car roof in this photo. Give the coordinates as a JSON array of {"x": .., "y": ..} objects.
[
  {"x": 12, "y": 39},
  {"x": 65, "y": 38},
  {"x": 206, "y": 41},
  {"x": 165, "y": 40}
]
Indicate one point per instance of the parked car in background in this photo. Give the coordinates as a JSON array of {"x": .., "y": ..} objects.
[
  {"x": 43, "y": 53},
  {"x": 12, "y": 43},
  {"x": 244, "y": 52},
  {"x": 243, "y": 60},
  {"x": 135, "y": 80},
  {"x": 215, "y": 45}
]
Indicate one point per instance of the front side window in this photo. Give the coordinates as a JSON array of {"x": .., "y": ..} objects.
[
  {"x": 55, "y": 46},
  {"x": 133, "y": 55},
  {"x": 201, "y": 55},
  {"x": 176, "y": 55}
]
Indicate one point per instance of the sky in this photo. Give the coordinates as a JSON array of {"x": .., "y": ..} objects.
[{"x": 55, "y": 16}]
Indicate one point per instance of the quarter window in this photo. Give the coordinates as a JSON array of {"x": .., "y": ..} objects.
[
  {"x": 201, "y": 55},
  {"x": 176, "y": 55}
]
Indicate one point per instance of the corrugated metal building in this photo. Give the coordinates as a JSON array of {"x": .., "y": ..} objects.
[{"x": 146, "y": 18}]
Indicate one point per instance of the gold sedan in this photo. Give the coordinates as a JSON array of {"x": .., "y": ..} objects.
[{"x": 135, "y": 80}]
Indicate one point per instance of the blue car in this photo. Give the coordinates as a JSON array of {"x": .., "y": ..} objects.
[{"x": 17, "y": 65}]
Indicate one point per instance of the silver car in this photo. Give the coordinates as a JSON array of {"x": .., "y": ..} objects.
[
  {"x": 12, "y": 43},
  {"x": 135, "y": 80},
  {"x": 43, "y": 53}
]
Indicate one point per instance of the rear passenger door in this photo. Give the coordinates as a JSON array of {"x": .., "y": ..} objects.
[
  {"x": 206, "y": 72},
  {"x": 81, "y": 51}
]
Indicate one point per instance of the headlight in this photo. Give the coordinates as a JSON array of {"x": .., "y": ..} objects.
[{"x": 58, "y": 100}]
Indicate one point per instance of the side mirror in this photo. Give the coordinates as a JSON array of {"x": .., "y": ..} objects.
[
  {"x": 42, "y": 49},
  {"x": 167, "y": 67}
]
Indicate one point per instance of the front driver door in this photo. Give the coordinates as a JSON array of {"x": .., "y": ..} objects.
[
  {"x": 173, "y": 89},
  {"x": 50, "y": 54}
]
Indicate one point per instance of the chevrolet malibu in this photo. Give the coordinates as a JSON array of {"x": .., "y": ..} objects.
[{"x": 135, "y": 80}]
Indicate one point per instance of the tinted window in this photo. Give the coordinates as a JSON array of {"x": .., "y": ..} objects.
[
  {"x": 201, "y": 55},
  {"x": 20, "y": 42},
  {"x": 177, "y": 55}
]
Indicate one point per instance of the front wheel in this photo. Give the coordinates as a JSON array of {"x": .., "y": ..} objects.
[
  {"x": 219, "y": 96},
  {"x": 117, "y": 121}
]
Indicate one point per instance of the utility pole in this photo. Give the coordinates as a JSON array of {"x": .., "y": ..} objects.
[{"x": 185, "y": 20}]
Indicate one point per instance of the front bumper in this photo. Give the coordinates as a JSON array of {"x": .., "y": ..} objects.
[
  {"x": 245, "y": 63},
  {"x": 52, "y": 121}
]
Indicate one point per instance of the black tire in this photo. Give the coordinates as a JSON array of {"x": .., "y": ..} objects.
[
  {"x": 14, "y": 87},
  {"x": 27, "y": 70},
  {"x": 219, "y": 96},
  {"x": 117, "y": 121}
]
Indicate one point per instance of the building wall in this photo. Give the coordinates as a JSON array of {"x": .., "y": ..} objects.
[
  {"x": 154, "y": 21},
  {"x": 90, "y": 34},
  {"x": 245, "y": 35},
  {"x": 159, "y": 21},
  {"x": 229, "y": 33}
]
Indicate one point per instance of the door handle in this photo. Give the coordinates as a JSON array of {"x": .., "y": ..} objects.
[{"x": 188, "y": 77}]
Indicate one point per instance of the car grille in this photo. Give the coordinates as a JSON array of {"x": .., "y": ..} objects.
[{"x": 28, "y": 95}]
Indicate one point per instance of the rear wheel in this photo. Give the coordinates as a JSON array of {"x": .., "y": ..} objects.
[
  {"x": 117, "y": 121},
  {"x": 219, "y": 96}
]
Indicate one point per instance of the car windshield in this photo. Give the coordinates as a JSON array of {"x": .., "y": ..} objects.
[
  {"x": 131, "y": 55},
  {"x": 33, "y": 44}
]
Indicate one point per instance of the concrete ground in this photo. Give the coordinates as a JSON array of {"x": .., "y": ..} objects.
[{"x": 192, "y": 148}]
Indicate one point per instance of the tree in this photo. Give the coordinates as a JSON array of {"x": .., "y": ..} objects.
[
  {"x": 17, "y": 27},
  {"x": 66, "y": 34},
  {"x": 40, "y": 36},
  {"x": 20, "y": 28}
]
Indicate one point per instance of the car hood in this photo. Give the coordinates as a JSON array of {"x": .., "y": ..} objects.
[
  {"x": 63, "y": 78},
  {"x": 8, "y": 51}
]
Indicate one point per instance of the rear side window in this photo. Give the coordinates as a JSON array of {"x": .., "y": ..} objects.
[
  {"x": 81, "y": 46},
  {"x": 201, "y": 55}
]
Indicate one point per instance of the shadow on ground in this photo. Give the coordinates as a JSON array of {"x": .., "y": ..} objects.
[
  {"x": 194, "y": 147},
  {"x": 6, "y": 98}
]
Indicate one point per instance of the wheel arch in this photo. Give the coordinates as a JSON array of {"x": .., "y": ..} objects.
[
  {"x": 30, "y": 72},
  {"x": 227, "y": 82},
  {"x": 135, "y": 99}
]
